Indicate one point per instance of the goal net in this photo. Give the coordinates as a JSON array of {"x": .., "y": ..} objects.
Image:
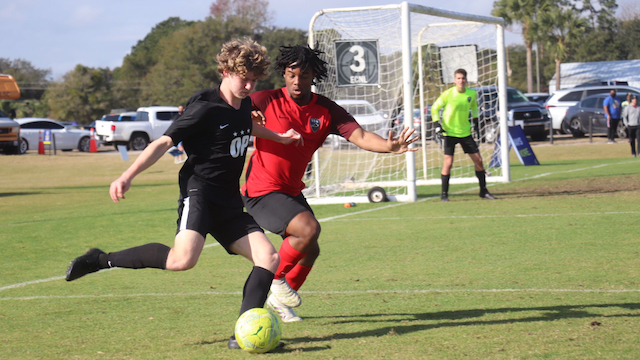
[{"x": 387, "y": 65}]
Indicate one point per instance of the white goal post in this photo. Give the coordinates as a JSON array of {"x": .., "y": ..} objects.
[{"x": 387, "y": 64}]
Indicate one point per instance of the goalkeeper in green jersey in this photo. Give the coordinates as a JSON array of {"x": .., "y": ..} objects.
[{"x": 455, "y": 128}]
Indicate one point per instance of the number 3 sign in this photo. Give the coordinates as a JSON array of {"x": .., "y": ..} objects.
[{"x": 357, "y": 63}]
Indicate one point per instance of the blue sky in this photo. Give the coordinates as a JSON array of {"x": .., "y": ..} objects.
[{"x": 59, "y": 34}]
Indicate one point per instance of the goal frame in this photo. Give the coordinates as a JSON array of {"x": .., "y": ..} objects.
[{"x": 408, "y": 104}]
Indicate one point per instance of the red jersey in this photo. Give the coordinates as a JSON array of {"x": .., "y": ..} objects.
[{"x": 277, "y": 167}]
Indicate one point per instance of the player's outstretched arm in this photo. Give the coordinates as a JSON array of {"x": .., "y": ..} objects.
[
  {"x": 148, "y": 157},
  {"x": 373, "y": 142},
  {"x": 284, "y": 138}
]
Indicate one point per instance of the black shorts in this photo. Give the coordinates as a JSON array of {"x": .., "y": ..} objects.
[
  {"x": 275, "y": 210},
  {"x": 468, "y": 145},
  {"x": 226, "y": 224}
]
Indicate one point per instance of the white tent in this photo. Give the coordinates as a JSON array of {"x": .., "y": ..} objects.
[{"x": 597, "y": 72}]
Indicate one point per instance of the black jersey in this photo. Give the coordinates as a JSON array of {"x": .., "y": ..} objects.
[{"x": 215, "y": 137}]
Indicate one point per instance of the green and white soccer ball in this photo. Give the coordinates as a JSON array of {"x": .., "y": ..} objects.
[{"x": 258, "y": 331}]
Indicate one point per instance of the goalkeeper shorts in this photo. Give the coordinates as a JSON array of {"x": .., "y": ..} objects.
[{"x": 468, "y": 145}]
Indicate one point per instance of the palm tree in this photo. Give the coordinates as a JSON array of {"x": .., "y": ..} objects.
[
  {"x": 564, "y": 28},
  {"x": 526, "y": 14}
]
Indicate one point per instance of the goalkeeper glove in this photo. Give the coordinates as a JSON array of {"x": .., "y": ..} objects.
[{"x": 438, "y": 130}]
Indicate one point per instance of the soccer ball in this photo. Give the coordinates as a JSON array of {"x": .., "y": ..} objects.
[{"x": 258, "y": 330}]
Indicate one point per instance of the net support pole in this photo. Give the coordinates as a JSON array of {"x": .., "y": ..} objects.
[
  {"x": 502, "y": 97},
  {"x": 408, "y": 98},
  {"x": 423, "y": 125},
  {"x": 316, "y": 154}
]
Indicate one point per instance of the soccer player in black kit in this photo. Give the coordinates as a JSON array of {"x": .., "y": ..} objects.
[{"x": 215, "y": 130}]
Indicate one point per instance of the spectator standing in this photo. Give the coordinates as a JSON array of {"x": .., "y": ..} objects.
[
  {"x": 626, "y": 102},
  {"x": 631, "y": 119},
  {"x": 612, "y": 110}
]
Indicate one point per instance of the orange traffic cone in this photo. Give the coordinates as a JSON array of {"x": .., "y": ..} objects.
[
  {"x": 93, "y": 147},
  {"x": 40, "y": 145}
]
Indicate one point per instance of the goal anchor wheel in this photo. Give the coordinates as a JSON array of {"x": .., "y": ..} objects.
[{"x": 377, "y": 194}]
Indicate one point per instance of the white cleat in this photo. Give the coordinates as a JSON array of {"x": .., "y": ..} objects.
[
  {"x": 284, "y": 293},
  {"x": 286, "y": 313}
]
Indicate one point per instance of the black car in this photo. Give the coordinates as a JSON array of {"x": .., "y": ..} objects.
[
  {"x": 591, "y": 110},
  {"x": 533, "y": 117}
]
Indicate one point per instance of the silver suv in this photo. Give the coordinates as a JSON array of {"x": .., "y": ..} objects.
[{"x": 561, "y": 100}]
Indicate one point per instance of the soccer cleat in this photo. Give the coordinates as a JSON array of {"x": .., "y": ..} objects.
[
  {"x": 284, "y": 293},
  {"x": 85, "y": 264},
  {"x": 233, "y": 344},
  {"x": 444, "y": 197},
  {"x": 286, "y": 313},
  {"x": 487, "y": 195}
]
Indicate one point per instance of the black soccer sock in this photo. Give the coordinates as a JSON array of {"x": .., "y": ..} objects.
[
  {"x": 482, "y": 180},
  {"x": 445, "y": 183},
  {"x": 153, "y": 255},
  {"x": 256, "y": 289}
]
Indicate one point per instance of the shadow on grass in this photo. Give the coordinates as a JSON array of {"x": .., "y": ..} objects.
[
  {"x": 407, "y": 322},
  {"x": 8, "y": 194}
]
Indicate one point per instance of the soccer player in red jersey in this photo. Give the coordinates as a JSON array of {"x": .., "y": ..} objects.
[{"x": 272, "y": 192}]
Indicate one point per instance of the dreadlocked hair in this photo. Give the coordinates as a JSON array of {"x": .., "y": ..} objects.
[{"x": 303, "y": 57}]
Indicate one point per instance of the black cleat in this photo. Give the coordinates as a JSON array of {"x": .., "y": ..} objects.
[
  {"x": 444, "y": 197},
  {"x": 487, "y": 195},
  {"x": 233, "y": 344},
  {"x": 85, "y": 264}
]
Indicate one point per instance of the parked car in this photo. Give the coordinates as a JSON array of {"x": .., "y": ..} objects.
[
  {"x": 540, "y": 98},
  {"x": 128, "y": 116},
  {"x": 9, "y": 129},
  {"x": 398, "y": 124},
  {"x": 591, "y": 110},
  {"x": 9, "y": 135},
  {"x": 561, "y": 100},
  {"x": 150, "y": 123},
  {"x": 66, "y": 139},
  {"x": 366, "y": 115},
  {"x": 533, "y": 116},
  {"x": 110, "y": 117}
]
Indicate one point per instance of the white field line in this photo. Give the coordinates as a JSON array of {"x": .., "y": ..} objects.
[
  {"x": 494, "y": 216},
  {"x": 346, "y": 292},
  {"x": 331, "y": 218}
]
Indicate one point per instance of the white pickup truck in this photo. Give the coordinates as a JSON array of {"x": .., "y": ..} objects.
[{"x": 149, "y": 124}]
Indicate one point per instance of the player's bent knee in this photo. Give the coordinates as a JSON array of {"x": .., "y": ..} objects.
[
  {"x": 311, "y": 232},
  {"x": 267, "y": 261},
  {"x": 181, "y": 264}
]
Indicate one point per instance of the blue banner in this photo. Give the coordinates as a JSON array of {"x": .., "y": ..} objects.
[
  {"x": 518, "y": 139},
  {"x": 47, "y": 137}
]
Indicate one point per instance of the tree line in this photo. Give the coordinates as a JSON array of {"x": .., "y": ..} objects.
[
  {"x": 177, "y": 57},
  {"x": 173, "y": 61},
  {"x": 558, "y": 31}
]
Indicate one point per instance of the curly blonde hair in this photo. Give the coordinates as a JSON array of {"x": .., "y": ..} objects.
[{"x": 241, "y": 56}]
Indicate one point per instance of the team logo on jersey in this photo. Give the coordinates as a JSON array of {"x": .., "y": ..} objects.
[
  {"x": 315, "y": 124},
  {"x": 239, "y": 145},
  {"x": 469, "y": 99}
]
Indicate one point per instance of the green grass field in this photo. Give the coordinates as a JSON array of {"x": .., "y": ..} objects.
[{"x": 550, "y": 271}]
